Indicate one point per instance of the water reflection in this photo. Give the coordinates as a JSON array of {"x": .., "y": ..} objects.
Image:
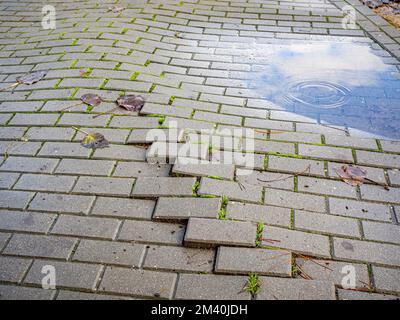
[{"x": 345, "y": 84}]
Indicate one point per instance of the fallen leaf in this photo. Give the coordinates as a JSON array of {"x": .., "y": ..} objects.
[
  {"x": 95, "y": 140},
  {"x": 84, "y": 73},
  {"x": 352, "y": 175},
  {"x": 33, "y": 77},
  {"x": 131, "y": 102},
  {"x": 116, "y": 9},
  {"x": 91, "y": 99}
]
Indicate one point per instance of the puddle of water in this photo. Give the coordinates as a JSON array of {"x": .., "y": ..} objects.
[{"x": 344, "y": 84}]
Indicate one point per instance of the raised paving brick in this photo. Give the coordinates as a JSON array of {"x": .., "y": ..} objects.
[
  {"x": 211, "y": 287},
  {"x": 366, "y": 251},
  {"x": 25, "y": 221},
  {"x": 104, "y": 186},
  {"x": 106, "y": 252},
  {"x": 297, "y": 241},
  {"x": 232, "y": 190},
  {"x": 381, "y": 231},
  {"x": 163, "y": 186},
  {"x": 260, "y": 261},
  {"x": 127, "y": 208},
  {"x": 212, "y": 232},
  {"x": 126, "y": 281},
  {"x": 13, "y": 269},
  {"x": 141, "y": 169},
  {"x": 184, "y": 208},
  {"x": 61, "y": 203},
  {"x": 295, "y": 289},
  {"x": 24, "y": 293},
  {"x": 178, "y": 259},
  {"x": 386, "y": 279}
]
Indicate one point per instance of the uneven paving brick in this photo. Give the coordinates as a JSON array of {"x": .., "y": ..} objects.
[
  {"x": 8, "y": 179},
  {"x": 25, "y": 221},
  {"x": 178, "y": 259},
  {"x": 261, "y": 261},
  {"x": 298, "y": 241},
  {"x": 13, "y": 269},
  {"x": 239, "y": 159},
  {"x": 295, "y": 289},
  {"x": 386, "y": 279},
  {"x": 139, "y": 283},
  {"x": 104, "y": 186},
  {"x": 328, "y": 187},
  {"x": 394, "y": 177},
  {"x": 205, "y": 169},
  {"x": 324, "y": 223},
  {"x": 377, "y": 193},
  {"x": 295, "y": 165},
  {"x": 185, "y": 208},
  {"x": 232, "y": 190},
  {"x": 40, "y": 246},
  {"x": 385, "y": 232},
  {"x": 85, "y": 167},
  {"x": 211, "y": 287},
  {"x": 29, "y": 164},
  {"x": 120, "y": 152},
  {"x": 64, "y": 149},
  {"x": 328, "y": 270},
  {"x": 45, "y": 183},
  {"x": 141, "y": 169},
  {"x": 359, "y": 209},
  {"x": 212, "y": 232},
  {"x": 15, "y": 199},
  {"x": 163, "y": 186},
  {"x": 384, "y": 160},
  {"x": 294, "y": 200},
  {"x": 68, "y": 275},
  {"x": 107, "y": 252},
  {"x": 258, "y": 213},
  {"x": 24, "y": 293},
  {"x": 152, "y": 232},
  {"x": 360, "y": 295},
  {"x": 61, "y": 203},
  {"x": 366, "y": 251},
  {"x": 328, "y": 153},
  {"x": 127, "y": 208}
]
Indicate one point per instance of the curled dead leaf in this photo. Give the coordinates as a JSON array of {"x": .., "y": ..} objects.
[
  {"x": 131, "y": 102},
  {"x": 352, "y": 175},
  {"x": 93, "y": 140}
]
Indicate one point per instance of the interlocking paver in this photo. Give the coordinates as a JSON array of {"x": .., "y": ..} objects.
[
  {"x": 8, "y": 292},
  {"x": 386, "y": 279},
  {"x": 163, "y": 186},
  {"x": 13, "y": 269},
  {"x": 25, "y": 221}
]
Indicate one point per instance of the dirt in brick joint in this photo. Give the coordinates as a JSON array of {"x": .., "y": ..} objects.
[{"x": 387, "y": 9}]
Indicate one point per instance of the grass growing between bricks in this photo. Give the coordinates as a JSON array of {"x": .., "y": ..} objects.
[
  {"x": 222, "y": 211},
  {"x": 260, "y": 228},
  {"x": 252, "y": 286}
]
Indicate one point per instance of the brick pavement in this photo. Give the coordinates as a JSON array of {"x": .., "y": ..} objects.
[{"x": 126, "y": 221}]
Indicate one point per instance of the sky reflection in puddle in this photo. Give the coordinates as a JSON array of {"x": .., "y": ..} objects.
[{"x": 335, "y": 83}]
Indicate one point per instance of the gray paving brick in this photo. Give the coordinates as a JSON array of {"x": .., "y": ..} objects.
[
  {"x": 29, "y": 164},
  {"x": 20, "y": 106},
  {"x": 104, "y": 186},
  {"x": 24, "y": 293},
  {"x": 265, "y": 179},
  {"x": 163, "y": 186},
  {"x": 260, "y": 261},
  {"x": 68, "y": 275},
  {"x": 295, "y": 289},
  {"x": 120, "y": 152},
  {"x": 378, "y": 159},
  {"x": 15, "y": 199},
  {"x": 184, "y": 208},
  {"x": 258, "y": 213},
  {"x": 297, "y": 241},
  {"x": 294, "y": 200},
  {"x": 160, "y": 152},
  {"x": 127, "y": 208},
  {"x": 34, "y": 119},
  {"x": 61, "y": 203},
  {"x": 66, "y": 149},
  {"x": 394, "y": 177},
  {"x": 40, "y": 246},
  {"x": 360, "y": 295},
  {"x": 328, "y": 187},
  {"x": 351, "y": 142},
  {"x": 126, "y": 281},
  {"x": 85, "y": 167},
  {"x": 211, "y": 287},
  {"x": 19, "y": 148},
  {"x": 213, "y": 232},
  {"x": 4, "y": 238},
  {"x": 366, "y": 251},
  {"x": 13, "y": 269},
  {"x": 25, "y": 221},
  {"x": 133, "y": 122},
  {"x": 328, "y": 153},
  {"x": 152, "y": 232},
  {"x": 11, "y": 133},
  {"x": 385, "y": 232},
  {"x": 141, "y": 169},
  {"x": 8, "y": 179},
  {"x": 377, "y": 193},
  {"x": 386, "y": 279},
  {"x": 295, "y": 165},
  {"x": 106, "y": 252},
  {"x": 224, "y": 171},
  {"x": 375, "y": 174},
  {"x": 45, "y": 183},
  {"x": 325, "y": 223},
  {"x": 391, "y": 146},
  {"x": 101, "y": 228},
  {"x": 177, "y": 259}
]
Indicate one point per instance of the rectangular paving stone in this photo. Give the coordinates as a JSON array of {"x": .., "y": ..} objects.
[
  {"x": 294, "y": 200},
  {"x": 391, "y": 146},
  {"x": 328, "y": 153},
  {"x": 29, "y": 164},
  {"x": 61, "y": 203},
  {"x": 25, "y": 221},
  {"x": 295, "y": 289},
  {"x": 295, "y": 165},
  {"x": 378, "y": 159},
  {"x": 121, "y": 152},
  {"x": 334, "y": 271},
  {"x": 11, "y": 133},
  {"x": 366, "y": 251},
  {"x": 163, "y": 186},
  {"x": 11, "y": 292},
  {"x": 104, "y": 186},
  {"x": 325, "y": 223},
  {"x": 141, "y": 169},
  {"x": 140, "y": 283},
  {"x": 90, "y": 227},
  {"x": 82, "y": 119},
  {"x": 64, "y": 149},
  {"x": 232, "y": 190},
  {"x": 386, "y": 279},
  {"x": 45, "y": 183},
  {"x": 15, "y": 199},
  {"x": 68, "y": 275},
  {"x": 224, "y": 171},
  {"x": 19, "y": 148},
  {"x": 107, "y": 252},
  {"x": 34, "y": 119},
  {"x": 178, "y": 259},
  {"x": 8, "y": 179},
  {"x": 351, "y": 142},
  {"x": 328, "y": 187},
  {"x": 40, "y": 246},
  {"x": 213, "y": 232},
  {"x": 394, "y": 177},
  {"x": 162, "y": 153},
  {"x": 260, "y": 261},
  {"x": 152, "y": 232},
  {"x": 211, "y": 287},
  {"x": 377, "y": 193},
  {"x": 185, "y": 208},
  {"x": 297, "y": 241},
  {"x": 385, "y": 232},
  {"x": 50, "y": 134},
  {"x": 360, "y": 295},
  {"x": 265, "y": 179},
  {"x": 13, "y": 269},
  {"x": 258, "y": 213},
  {"x": 375, "y": 174},
  {"x": 126, "y": 208},
  {"x": 85, "y": 167},
  {"x": 133, "y": 122}
]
